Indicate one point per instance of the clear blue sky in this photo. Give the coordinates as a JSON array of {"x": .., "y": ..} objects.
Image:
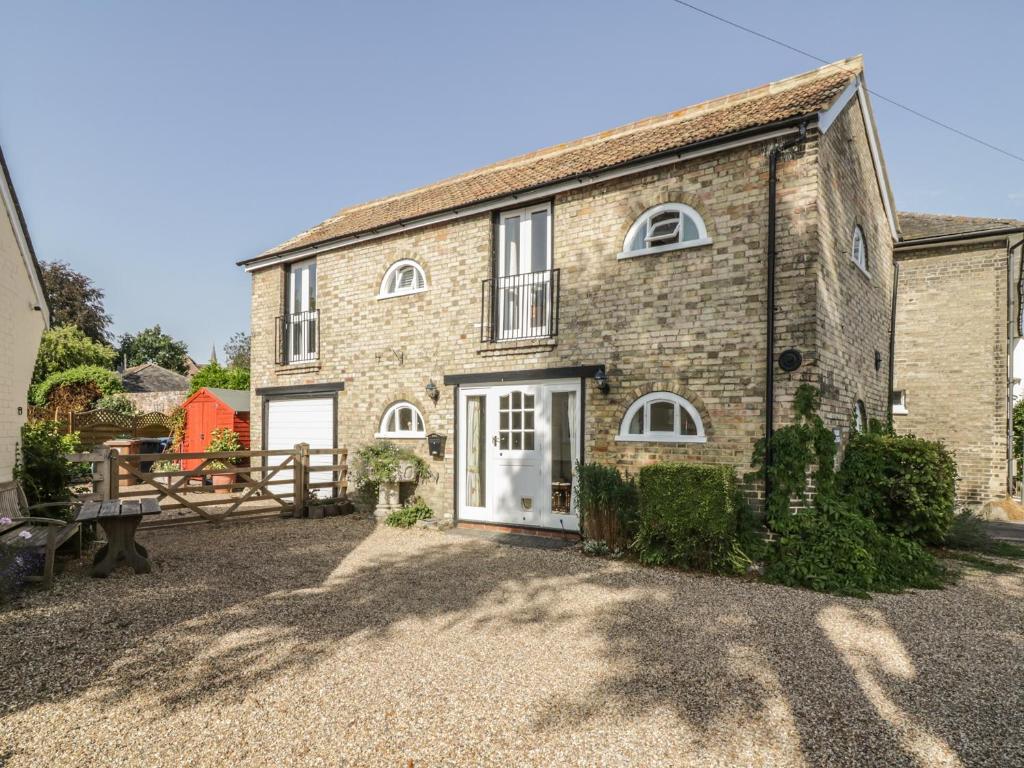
[{"x": 155, "y": 144}]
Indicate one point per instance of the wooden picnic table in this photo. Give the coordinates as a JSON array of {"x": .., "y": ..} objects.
[{"x": 119, "y": 519}]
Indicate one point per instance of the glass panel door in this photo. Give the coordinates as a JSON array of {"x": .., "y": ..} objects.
[
  {"x": 523, "y": 284},
  {"x": 475, "y": 479},
  {"x": 301, "y": 312}
]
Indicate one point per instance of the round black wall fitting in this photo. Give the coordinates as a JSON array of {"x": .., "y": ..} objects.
[{"x": 790, "y": 360}]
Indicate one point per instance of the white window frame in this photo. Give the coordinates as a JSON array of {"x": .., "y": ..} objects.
[
  {"x": 398, "y": 265},
  {"x": 305, "y": 273},
  {"x": 862, "y": 252},
  {"x": 683, "y": 210},
  {"x": 900, "y": 406},
  {"x": 399, "y": 434},
  {"x": 647, "y": 436}
]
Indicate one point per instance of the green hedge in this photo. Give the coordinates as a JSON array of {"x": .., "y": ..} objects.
[
  {"x": 689, "y": 516},
  {"x": 905, "y": 483},
  {"x": 107, "y": 381}
]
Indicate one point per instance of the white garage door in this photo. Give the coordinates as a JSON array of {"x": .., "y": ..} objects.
[{"x": 301, "y": 420}]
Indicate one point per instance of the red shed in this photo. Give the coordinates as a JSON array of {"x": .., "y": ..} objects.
[{"x": 213, "y": 408}]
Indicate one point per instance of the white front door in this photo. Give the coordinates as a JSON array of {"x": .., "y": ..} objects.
[{"x": 518, "y": 445}]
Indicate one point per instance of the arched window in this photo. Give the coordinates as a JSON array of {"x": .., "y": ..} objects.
[
  {"x": 860, "y": 416},
  {"x": 665, "y": 227},
  {"x": 859, "y": 248},
  {"x": 402, "y": 278},
  {"x": 662, "y": 417},
  {"x": 402, "y": 420}
]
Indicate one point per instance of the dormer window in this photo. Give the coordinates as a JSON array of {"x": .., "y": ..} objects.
[
  {"x": 402, "y": 278},
  {"x": 663, "y": 228}
]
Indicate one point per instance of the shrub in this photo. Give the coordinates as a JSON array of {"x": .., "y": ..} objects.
[
  {"x": 906, "y": 484},
  {"x": 65, "y": 347},
  {"x": 105, "y": 382},
  {"x": 41, "y": 468},
  {"x": 830, "y": 546},
  {"x": 607, "y": 504},
  {"x": 407, "y": 516},
  {"x": 213, "y": 375},
  {"x": 689, "y": 516},
  {"x": 117, "y": 403}
]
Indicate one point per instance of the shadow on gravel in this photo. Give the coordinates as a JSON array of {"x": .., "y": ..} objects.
[{"x": 899, "y": 680}]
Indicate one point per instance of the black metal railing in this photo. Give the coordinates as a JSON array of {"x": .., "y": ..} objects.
[
  {"x": 520, "y": 306},
  {"x": 298, "y": 337}
]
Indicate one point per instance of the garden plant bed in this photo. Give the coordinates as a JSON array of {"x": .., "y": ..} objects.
[{"x": 255, "y": 644}]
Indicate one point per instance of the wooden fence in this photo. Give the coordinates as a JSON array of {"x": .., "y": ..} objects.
[
  {"x": 242, "y": 483},
  {"x": 101, "y": 424}
]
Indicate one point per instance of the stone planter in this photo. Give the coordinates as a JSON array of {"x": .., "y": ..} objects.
[{"x": 389, "y": 498}]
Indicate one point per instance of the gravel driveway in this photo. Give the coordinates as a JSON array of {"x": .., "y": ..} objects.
[{"x": 332, "y": 642}]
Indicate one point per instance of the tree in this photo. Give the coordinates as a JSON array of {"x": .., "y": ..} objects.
[
  {"x": 213, "y": 375},
  {"x": 237, "y": 350},
  {"x": 152, "y": 345},
  {"x": 67, "y": 346},
  {"x": 74, "y": 300}
]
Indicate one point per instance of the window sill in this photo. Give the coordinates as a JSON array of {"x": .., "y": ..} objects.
[
  {"x": 670, "y": 439},
  {"x": 404, "y": 436},
  {"x": 897, "y": 411},
  {"x": 665, "y": 248},
  {"x": 861, "y": 269},
  {"x": 305, "y": 366},
  {"x": 399, "y": 294},
  {"x": 514, "y": 346}
]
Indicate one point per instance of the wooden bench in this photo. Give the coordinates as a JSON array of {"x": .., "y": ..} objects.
[{"x": 27, "y": 533}]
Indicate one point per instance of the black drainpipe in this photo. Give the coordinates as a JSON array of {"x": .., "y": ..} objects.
[
  {"x": 769, "y": 383},
  {"x": 892, "y": 335}
]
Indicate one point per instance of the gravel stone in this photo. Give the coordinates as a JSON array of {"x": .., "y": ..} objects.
[{"x": 339, "y": 643}]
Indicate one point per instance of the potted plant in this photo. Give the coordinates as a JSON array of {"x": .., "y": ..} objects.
[
  {"x": 379, "y": 470},
  {"x": 223, "y": 440}
]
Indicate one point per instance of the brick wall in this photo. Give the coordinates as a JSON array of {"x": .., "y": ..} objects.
[
  {"x": 690, "y": 321},
  {"x": 951, "y": 358},
  {"x": 854, "y": 305}
]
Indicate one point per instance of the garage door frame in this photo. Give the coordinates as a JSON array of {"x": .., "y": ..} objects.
[{"x": 299, "y": 392}]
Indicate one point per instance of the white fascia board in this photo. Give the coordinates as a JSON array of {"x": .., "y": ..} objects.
[
  {"x": 876, "y": 158},
  {"x": 828, "y": 116},
  {"x": 516, "y": 199},
  {"x": 7, "y": 195}
]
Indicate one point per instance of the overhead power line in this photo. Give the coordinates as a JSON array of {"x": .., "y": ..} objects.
[{"x": 874, "y": 93}]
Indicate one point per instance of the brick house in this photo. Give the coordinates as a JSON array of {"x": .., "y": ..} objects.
[
  {"x": 957, "y": 321},
  {"x": 606, "y": 299}
]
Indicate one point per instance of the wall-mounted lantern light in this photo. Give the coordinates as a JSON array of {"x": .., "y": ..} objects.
[
  {"x": 432, "y": 391},
  {"x": 601, "y": 379}
]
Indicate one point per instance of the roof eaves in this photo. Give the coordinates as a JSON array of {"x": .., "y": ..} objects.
[{"x": 588, "y": 177}]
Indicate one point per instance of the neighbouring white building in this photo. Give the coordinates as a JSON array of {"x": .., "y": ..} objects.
[{"x": 23, "y": 318}]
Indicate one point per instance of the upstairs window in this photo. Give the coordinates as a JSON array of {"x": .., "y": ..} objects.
[
  {"x": 859, "y": 249},
  {"x": 662, "y": 417},
  {"x": 402, "y": 420},
  {"x": 665, "y": 228},
  {"x": 402, "y": 278}
]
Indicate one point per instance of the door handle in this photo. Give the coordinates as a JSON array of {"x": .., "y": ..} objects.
[{"x": 494, "y": 440}]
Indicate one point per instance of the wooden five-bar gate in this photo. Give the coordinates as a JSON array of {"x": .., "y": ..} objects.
[{"x": 242, "y": 483}]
